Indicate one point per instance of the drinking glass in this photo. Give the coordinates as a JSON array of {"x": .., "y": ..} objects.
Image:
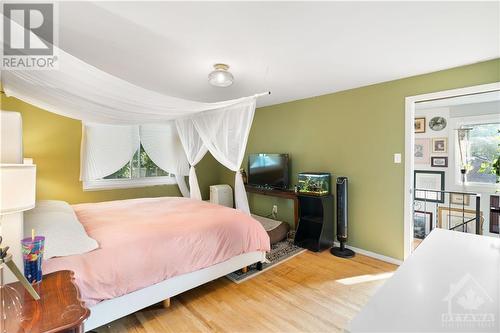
[{"x": 32, "y": 256}]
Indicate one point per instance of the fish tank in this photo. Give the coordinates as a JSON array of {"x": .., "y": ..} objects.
[{"x": 314, "y": 183}]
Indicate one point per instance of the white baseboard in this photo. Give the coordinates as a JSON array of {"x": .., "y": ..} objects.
[{"x": 390, "y": 260}]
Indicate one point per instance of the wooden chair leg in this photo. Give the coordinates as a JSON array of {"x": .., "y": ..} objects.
[
  {"x": 244, "y": 269},
  {"x": 166, "y": 303}
]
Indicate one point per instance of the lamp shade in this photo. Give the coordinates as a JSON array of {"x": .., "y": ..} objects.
[
  {"x": 220, "y": 77},
  {"x": 17, "y": 187}
]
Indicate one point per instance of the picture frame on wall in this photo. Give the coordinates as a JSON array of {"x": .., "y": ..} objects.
[
  {"x": 437, "y": 123},
  {"x": 422, "y": 224},
  {"x": 453, "y": 217},
  {"x": 419, "y": 125},
  {"x": 439, "y": 161},
  {"x": 429, "y": 180},
  {"x": 422, "y": 154},
  {"x": 440, "y": 145},
  {"x": 459, "y": 199}
]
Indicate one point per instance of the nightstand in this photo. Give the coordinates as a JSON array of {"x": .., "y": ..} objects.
[{"x": 59, "y": 308}]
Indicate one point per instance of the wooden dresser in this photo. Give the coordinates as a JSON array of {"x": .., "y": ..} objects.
[{"x": 59, "y": 308}]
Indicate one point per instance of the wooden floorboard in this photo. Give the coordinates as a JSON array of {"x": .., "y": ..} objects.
[{"x": 312, "y": 292}]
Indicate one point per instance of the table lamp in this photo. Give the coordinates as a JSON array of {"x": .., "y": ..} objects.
[{"x": 17, "y": 194}]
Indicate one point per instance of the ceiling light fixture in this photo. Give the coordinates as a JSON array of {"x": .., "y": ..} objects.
[{"x": 220, "y": 76}]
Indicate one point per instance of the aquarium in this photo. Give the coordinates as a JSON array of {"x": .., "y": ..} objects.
[{"x": 314, "y": 183}]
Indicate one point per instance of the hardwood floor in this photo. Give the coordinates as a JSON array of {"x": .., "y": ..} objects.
[
  {"x": 416, "y": 242},
  {"x": 312, "y": 292}
]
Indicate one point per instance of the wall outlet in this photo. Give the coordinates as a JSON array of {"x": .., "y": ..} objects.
[{"x": 275, "y": 211}]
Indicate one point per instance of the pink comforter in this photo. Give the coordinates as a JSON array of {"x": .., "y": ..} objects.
[{"x": 145, "y": 241}]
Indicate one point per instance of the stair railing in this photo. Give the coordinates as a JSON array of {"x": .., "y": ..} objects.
[{"x": 438, "y": 197}]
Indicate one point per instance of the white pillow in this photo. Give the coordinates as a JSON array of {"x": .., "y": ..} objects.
[{"x": 57, "y": 221}]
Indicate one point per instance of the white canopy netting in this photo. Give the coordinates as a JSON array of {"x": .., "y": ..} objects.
[{"x": 118, "y": 117}]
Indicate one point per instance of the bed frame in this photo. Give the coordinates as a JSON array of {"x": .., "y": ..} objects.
[{"x": 110, "y": 310}]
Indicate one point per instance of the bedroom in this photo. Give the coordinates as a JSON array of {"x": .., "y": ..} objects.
[{"x": 342, "y": 77}]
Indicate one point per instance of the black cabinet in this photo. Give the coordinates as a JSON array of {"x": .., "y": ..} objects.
[{"x": 315, "y": 230}]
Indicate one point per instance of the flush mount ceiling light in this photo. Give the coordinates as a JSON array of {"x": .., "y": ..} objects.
[{"x": 220, "y": 76}]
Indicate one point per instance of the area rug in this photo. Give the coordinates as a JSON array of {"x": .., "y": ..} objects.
[{"x": 280, "y": 252}]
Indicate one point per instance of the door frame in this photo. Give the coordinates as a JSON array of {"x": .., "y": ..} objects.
[{"x": 410, "y": 102}]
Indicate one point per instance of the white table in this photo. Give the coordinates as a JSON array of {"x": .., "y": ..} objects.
[{"x": 451, "y": 283}]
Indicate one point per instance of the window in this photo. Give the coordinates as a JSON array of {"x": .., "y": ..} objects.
[
  {"x": 140, "y": 166},
  {"x": 483, "y": 148},
  {"x": 139, "y": 172}
]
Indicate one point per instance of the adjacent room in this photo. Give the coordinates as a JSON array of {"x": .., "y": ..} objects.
[
  {"x": 455, "y": 140},
  {"x": 246, "y": 166}
]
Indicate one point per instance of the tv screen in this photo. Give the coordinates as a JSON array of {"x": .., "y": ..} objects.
[{"x": 268, "y": 170}]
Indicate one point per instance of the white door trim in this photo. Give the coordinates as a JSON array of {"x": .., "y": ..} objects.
[{"x": 409, "y": 147}]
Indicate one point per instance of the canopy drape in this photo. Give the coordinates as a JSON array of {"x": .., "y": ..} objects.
[
  {"x": 81, "y": 91},
  {"x": 194, "y": 149},
  {"x": 225, "y": 134},
  {"x": 118, "y": 116}
]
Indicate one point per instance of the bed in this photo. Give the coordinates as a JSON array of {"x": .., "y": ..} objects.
[{"x": 151, "y": 249}]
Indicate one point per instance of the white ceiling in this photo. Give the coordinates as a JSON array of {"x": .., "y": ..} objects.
[{"x": 295, "y": 50}]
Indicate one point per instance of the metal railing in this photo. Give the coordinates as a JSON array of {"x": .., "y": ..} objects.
[{"x": 464, "y": 218}]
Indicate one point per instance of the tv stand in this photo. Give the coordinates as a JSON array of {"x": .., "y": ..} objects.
[
  {"x": 315, "y": 231},
  {"x": 280, "y": 193},
  {"x": 263, "y": 187}
]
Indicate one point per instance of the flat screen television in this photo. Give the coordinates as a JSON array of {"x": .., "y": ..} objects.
[{"x": 268, "y": 170}]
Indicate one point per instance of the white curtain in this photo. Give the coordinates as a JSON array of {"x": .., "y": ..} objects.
[
  {"x": 194, "y": 149},
  {"x": 225, "y": 134},
  {"x": 106, "y": 149},
  {"x": 163, "y": 146}
]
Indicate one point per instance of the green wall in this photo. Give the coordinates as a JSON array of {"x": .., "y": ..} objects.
[
  {"x": 354, "y": 133},
  {"x": 53, "y": 142}
]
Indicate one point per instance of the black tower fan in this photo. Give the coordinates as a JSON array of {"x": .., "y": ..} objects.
[{"x": 342, "y": 220}]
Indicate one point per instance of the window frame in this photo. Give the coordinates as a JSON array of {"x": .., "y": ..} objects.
[
  {"x": 123, "y": 183},
  {"x": 458, "y": 123},
  {"x": 132, "y": 182}
]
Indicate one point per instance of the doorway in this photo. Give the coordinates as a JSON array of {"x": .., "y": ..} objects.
[{"x": 436, "y": 158}]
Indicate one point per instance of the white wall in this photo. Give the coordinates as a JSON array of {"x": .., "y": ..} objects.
[{"x": 476, "y": 109}]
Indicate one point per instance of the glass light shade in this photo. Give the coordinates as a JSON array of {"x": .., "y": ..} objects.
[
  {"x": 221, "y": 77},
  {"x": 11, "y": 314},
  {"x": 17, "y": 187}
]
